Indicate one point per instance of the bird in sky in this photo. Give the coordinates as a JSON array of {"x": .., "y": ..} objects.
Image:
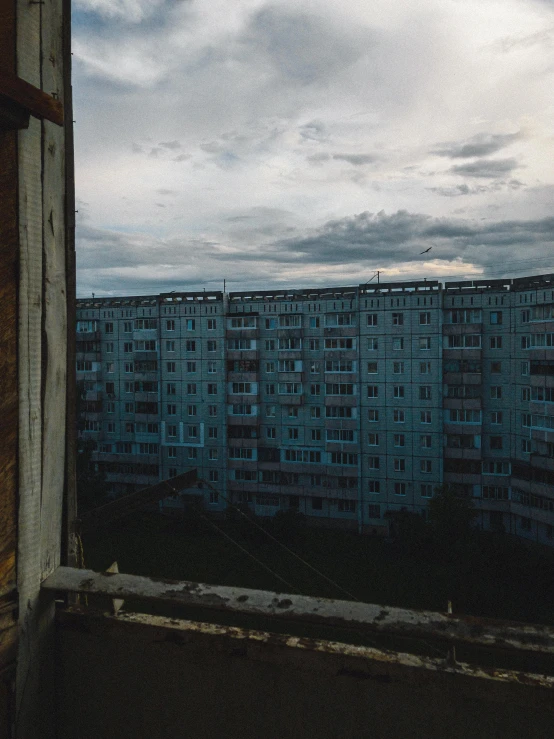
[{"x": 426, "y": 250}]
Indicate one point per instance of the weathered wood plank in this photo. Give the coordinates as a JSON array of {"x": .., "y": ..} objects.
[
  {"x": 37, "y": 102},
  {"x": 368, "y": 617},
  {"x": 55, "y": 305},
  {"x": 30, "y": 360}
]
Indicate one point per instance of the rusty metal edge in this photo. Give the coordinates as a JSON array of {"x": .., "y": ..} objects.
[{"x": 183, "y": 631}]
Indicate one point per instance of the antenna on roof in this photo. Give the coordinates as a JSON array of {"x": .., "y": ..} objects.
[{"x": 375, "y": 274}]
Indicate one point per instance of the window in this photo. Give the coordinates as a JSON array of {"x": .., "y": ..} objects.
[
  {"x": 426, "y": 490},
  {"x": 374, "y": 510},
  {"x": 340, "y": 344},
  {"x": 192, "y": 454},
  {"x": 374, "y": 487},
  {"x": 347, "y": 506},
  {"x": 171, "y": 366},
  {"x": 315, "y": 389},
  {"x": 373, "y": 391},
  {"x": 496, "y": 417},
  {"x": 317, "y": 504},
  {"x": 171, "y": 388},
  {"x": 463, "y": 341},
  {"x": 525, "y": 393},
  {"x": 292, "y": 433},
  {"x": 129, "y": 407},
  {"x": 212, "y": 367},
  {"x": 290, "y": 388},
  {"x": 398, "y": 368},
  {"x": 191, "y": 410},
  {"x": 496, "y": 392},
  {"x": 425, "y": 466},
  {"x": 172, "y": 472},
  {"x": 110, "y": 367},
  {"x": 425, "y": 392},
  {"x": 373, "y": 439},
  {"x": 191, "y": 324},
  {"x": 496, "y": 317},
  {"x": 398, "y": 391},
  {"x": 399, "y": 464},
  {"x": 270, "y": 367},
  {"x": 372, "y": 344},
  {"x": 314, "y": 368},
  {"x": 110, "y": 388},
  {"x": 424, "y": 343},
  {"x": 425, "y": 417},
  {"x": 343, "y": 458},
  {"x": 397, "y": 344},
  {"x": 270, "y": 345},
  {"x": 191, "y": 388},
  {"x": 212, "y": 388},
  {"x": 172, "y": 452},
  {"x": 270, "y": 432},
  {"x": 213, "y": 477},
  {"x": 399, "y": 440},
  {"x": 526, "y": 446},
  {"x": 398, "y": 416},
  {"x": 212, "y": 324},
  {"x": 425, "y": 368},
  {"x": 397, "y": 319},
  {"x": 316, "y": 481},
  {"x": 313, "y": 345},
  {"x": 525, "y": 366},
  {"x": 339, "y": 388},
  {"x": 292, "y": 411},
  {"x": 496, "y": 368},
  {"x": 424, "y": 319},
  {"x": 212, "y": 410},
  {"x": 127, "y": 347},
  {"x": 109, "y": 347},
  {"x": 373, "y": 415},
  {"x": 171, "y": 431},
  {"x": 372, "y": 319},
  {"x": 373, "y": 463},
  {"x": 191, "y": 367},
  {"x": 127, "y": 327},
  {"x": 496, "y": 442},
  {"x": 108, "y": 328},
  {"x": 170, "y": 325},
  {"x": 270, "y": 411},
  {"x": 315, "y": 412},
  {"x": 372, "y": 368},
  {"x": 400, "y": 488},
  {"x": 212, "y": 345},
  {"x": 270, "y": 388},
  {"x": 190, "y": 346},
  {"x": 495, "y": 342},
  {"x": 425, "y": 441},
  {"x": 314, "y": 322}
]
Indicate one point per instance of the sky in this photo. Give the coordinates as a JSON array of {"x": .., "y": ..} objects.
[{"x": 305, "y": 143}]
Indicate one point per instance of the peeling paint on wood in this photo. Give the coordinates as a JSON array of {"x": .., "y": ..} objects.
[{"x": 361, "y": 616}]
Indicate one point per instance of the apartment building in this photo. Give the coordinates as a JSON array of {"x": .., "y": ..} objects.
[{"x": 344, "y": 403}]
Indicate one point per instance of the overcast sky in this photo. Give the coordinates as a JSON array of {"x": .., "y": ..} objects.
[{"x": 311, "y": 142}]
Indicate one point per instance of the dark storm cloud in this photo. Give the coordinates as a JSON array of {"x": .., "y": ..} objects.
[
  {"x": 301, "y": 47},
  {"x": 170, "y": 144},
  {"x": 477, "y": 146},
  {"x": 459, "y": 190},
  {"x": 356, "y": 159},
  {"x": 487, "y": 168}
]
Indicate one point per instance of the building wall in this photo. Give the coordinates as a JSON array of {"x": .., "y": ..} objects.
[{"x": 343, "y": 403}]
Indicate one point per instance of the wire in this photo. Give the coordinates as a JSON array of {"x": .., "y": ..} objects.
[
  {"x": 283, "y": 546},
  {"x": 249, "y": 554}
]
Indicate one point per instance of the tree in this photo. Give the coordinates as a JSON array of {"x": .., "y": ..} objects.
[{"x": 451, "y": 515}]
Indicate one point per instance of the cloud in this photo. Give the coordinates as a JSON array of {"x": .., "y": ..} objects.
[
  {"x": 464, "y": 189},
  {"x": 477, "y": 146},
  {"x": 487, "y": 168},
  {"x": 165, "y": 191},
  {"x": 170, "y": 144},
  {"x": 340, "y": 249},
  {"x": 356, "y": 159}
]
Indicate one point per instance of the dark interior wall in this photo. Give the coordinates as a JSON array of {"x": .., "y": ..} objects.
[{"x": 136, "y": 681}]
